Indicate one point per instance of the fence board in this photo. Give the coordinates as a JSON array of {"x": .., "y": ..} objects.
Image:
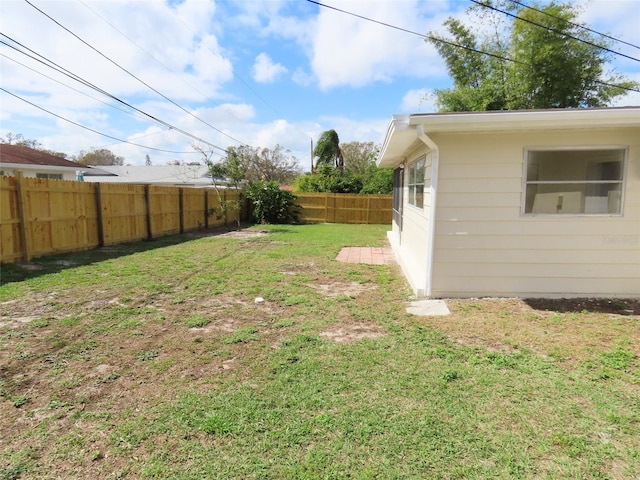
[
  {"x": 193, "y": 208},
  {"x": 11, "y": 243},
  {"x": 124, "y": 212},
  {"x": 164, "y": 205},
  {"x": 54, "y": 216},
  {"x": 345, "y": 208}
]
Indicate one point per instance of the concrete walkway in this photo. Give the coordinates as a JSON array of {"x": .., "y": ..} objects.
[{"x": 368, "y": 255}]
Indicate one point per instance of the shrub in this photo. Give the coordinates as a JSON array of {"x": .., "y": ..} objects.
[{"x": 270, "y": 204}]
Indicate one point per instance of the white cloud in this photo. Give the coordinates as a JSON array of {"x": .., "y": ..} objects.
[
  {"x": 421, "y": 100},
  {"x": 265, "y": 70},
  {"x": 302, "y": 78},
  {"x": 350, "y": 50}
]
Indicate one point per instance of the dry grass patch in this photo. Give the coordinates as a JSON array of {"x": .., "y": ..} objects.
[
  {"x": 349, "y": 333},
  {"x": 564, "y": 334}
]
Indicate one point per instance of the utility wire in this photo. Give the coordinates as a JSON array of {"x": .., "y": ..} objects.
[
  {"x": 104, "y": 92},
  {"x": 238, "y": 77},
  {"x": 421, "y": 35},
  {"x": 64, "y": 84},
  {"x": 452, "y": 44},
  {"x": 85, "y": 127},
  {"x": 134, "y": 76},
  {"x": 575, "y": 24},
  {"x": 154, "y": 58},
  {"x": 554, "y": 30}
]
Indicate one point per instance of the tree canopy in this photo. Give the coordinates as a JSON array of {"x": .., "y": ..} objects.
[
  {"x": 254, "y": 164},
  {"x": 543, "y": 59},
  {"x": 359, "y": 173},
  {"x": 101, "y": 156},
  {"x": 327, "y": 150}
]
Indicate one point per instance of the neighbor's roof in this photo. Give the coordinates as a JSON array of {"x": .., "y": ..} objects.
[
  {"x": 195, "y": 175},
  {"x": 403, "y": 131},
  {"x": 21, "y": 155}
]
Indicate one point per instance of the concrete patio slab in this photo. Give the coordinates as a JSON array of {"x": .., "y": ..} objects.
[
  {"x": 427, "y": 308},
  {"x": 368, "y": 255}
]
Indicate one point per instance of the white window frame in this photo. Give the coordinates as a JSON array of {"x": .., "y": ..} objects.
[
  {"x": 526, "y": 182},
  {"x": 413, "y": 169}
]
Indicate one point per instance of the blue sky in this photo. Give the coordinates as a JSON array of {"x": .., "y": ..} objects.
[{"x": 259, "y": 72}]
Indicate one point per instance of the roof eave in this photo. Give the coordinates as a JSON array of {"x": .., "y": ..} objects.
[{"x": 402, "y": 137}]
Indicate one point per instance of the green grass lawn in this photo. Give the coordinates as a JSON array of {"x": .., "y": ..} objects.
[{"x": 153, "y": 360}]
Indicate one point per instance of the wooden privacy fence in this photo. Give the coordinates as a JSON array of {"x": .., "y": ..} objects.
[
  {"x": 345, "y": 208},
  {"x": 40, "y": 216}
]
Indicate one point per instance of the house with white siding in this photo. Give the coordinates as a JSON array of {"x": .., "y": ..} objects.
[
  {"x": 30, "y": 162},
  {"x": 517, "y": 203}
]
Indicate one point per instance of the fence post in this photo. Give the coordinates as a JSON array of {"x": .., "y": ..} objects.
[
  {"x": 100, "y": 222},
  {"x": 22, "y": 213},
  {"x": 333, "y": 210},
  {"x": 181, "y": 206},
  {"x": 368, "y": 208},
  {"x": 147, "y": 204},
  {"x": 206, "y": 208}
]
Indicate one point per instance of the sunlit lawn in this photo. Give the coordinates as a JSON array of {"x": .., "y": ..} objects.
[{"x": 153, "y": 360}]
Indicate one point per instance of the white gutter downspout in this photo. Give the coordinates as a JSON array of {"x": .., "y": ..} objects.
[{"x": 433, "y": 188}]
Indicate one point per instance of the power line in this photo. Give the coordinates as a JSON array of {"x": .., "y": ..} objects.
[
  {"x": 554, "y": 30},
  {"x": 575, "y": 24},
  {"x": 79, "y": 79},
  {"x": 215, "y": 54},
  {"x": 238, "y": 77},
  {"x": 421, "y": 35},
  {"x": 85, "y": 127},
  {"x": 154, "y": 58},
  {"x": 134, "y": 76},
  {"x": 63, "y": 84},
  {"x": 450, "y": 43}
]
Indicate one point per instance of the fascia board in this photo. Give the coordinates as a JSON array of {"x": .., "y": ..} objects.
[
  {"x": 568, "y": 119},
  {"x": 36, "y": 168},
  {"x": 399, "y": 134}
]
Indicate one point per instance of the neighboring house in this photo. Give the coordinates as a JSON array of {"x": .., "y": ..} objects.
[
  {"x": 517, "y": 203},
  {"x": 171, "y": 175},
  {"x": 34, "y": 163}
]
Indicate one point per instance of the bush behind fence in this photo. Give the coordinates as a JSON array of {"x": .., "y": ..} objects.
[{"x": 43, "y": 216}]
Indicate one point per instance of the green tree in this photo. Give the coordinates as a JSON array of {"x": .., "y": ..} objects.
[
  {"x": 327, "y": 150},
  {"x": 100, "y": 156},
  {"x": 377, "y": 181},
  {"x": 359, "y": 175},
  {"x": 359, "y": 156},
  {"x": 553, "y": 62}
]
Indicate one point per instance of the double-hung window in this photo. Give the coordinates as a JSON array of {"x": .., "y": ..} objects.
[
  {"x": 574, "y": 181},
  {"x": 416, "y": 183}
]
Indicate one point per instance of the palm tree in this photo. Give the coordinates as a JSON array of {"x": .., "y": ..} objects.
[{"x": 328, "y": 151}]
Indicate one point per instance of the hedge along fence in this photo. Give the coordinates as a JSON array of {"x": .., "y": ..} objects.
[
  {"x": 345, "y": 208},
  {"x": 40, "y": 216}
]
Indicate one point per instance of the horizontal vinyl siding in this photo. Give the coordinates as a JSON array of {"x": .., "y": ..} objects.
[
  {"x": 485, "y": 246},
  {"x": 529, "y": 287}
]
